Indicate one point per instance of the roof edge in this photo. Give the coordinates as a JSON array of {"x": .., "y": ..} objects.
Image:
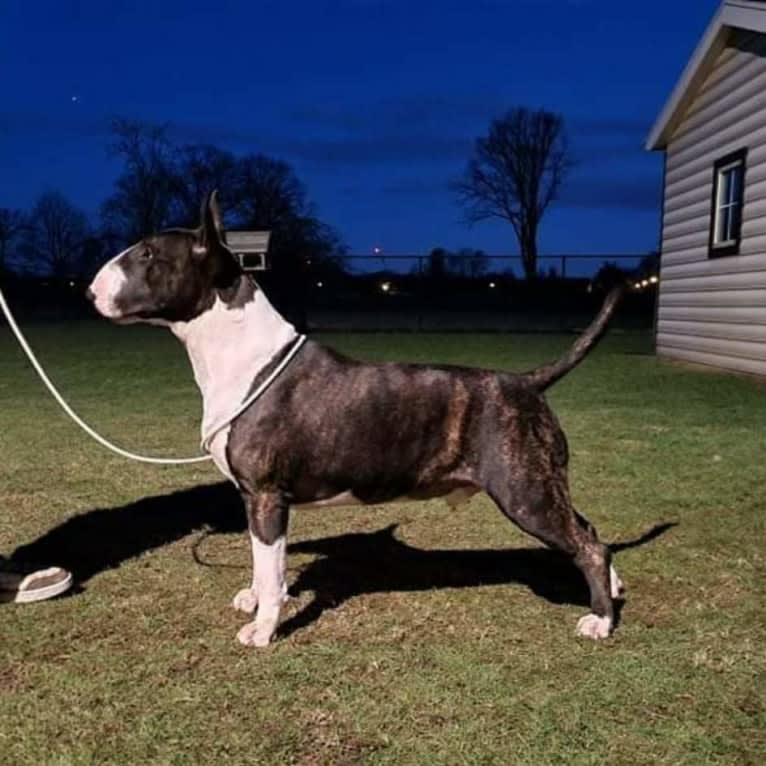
[
  {"x": 712, "y": 38},
  {"x": 731, "y": 14}
]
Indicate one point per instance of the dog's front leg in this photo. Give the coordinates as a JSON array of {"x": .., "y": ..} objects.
[
  {"x": 267, "y": 515},
  {"x": 246, "y": 599}
]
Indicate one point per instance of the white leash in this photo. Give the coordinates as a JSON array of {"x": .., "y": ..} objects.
[
  {"x": 72, "y": 414},
  {"x": 119, "y": 450}
]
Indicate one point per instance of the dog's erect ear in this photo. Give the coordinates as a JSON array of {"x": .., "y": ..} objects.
[
  {"x": 212, "y": 251},
  {"x": 211, "y": 227}
]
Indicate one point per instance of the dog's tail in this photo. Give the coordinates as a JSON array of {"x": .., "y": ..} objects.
[{"x": 545, "y": 376}]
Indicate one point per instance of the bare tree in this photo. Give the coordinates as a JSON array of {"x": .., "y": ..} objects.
[
  {"x": 199, "y": 170},
  {"x": 145, "y": 192},
  {"x": 267, "y": 193},
  {"x": 515, "y": 172},
  {"x": 13, "y": 223},
  {"x": 55, "y": 238}
]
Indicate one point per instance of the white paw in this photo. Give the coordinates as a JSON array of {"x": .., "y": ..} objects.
[
  {"x": 246, "y": 600},
  {"x": 254, "y": 635},
  {"x": 593, "y": 626},
  {"x": 615, "y": 584}
]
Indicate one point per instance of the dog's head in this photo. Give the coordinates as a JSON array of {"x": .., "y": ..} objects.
[{"x": 172, "y": 276}]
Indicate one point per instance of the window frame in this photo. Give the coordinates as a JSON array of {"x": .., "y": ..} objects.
[{"x": 720, "y": 166}]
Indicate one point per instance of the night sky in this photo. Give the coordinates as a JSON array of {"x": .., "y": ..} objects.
[{"x": 375, "y": 103}]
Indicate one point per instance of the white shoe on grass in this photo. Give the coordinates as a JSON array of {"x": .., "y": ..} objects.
[{"x": 34, "y": 586}]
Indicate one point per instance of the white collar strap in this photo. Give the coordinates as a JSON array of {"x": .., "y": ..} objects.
[{"x": 208, "y": 437}]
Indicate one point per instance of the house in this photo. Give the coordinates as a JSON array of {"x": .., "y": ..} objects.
[{"x": 712, "y": 130}]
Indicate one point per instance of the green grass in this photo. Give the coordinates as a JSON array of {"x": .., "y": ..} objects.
[{"x": 417, "y": 635}]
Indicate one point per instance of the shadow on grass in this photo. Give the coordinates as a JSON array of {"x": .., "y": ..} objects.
[
  {"x": 103, "y": 538},
  {"x": 346, "y": 565},
  {"x": 374, "y": 562}
]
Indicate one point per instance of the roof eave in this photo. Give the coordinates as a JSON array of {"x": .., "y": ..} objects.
[
  {"x": 709, "y": 47},
  {"x": 732, "y": 14}
]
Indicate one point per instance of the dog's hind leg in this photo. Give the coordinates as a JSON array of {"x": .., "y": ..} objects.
[
  {"x": 267, "y": 514},
  {"x": 545, "y": 511},
  {"x": 595, "y": 561},
  {"x": 616, "y": 585}
]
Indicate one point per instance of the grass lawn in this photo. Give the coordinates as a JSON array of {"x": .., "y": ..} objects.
[{"x": 416, "y": 635}]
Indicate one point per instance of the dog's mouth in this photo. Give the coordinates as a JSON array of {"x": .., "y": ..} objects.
[
  {"x": 126, "y": 319},
  {"x": 131, "y": 317},
  {"x": 107, "y": 308},
  {"x": 137, "y": 317}
]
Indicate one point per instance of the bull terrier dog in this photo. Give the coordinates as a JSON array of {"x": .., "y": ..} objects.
[{"x": 293, "y": 423}]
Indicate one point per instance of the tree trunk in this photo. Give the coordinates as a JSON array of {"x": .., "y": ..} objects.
[{"x": 529, "y": 256}]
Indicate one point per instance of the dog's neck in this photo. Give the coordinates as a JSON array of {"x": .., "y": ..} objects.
[{"x": 228, "y": 346}]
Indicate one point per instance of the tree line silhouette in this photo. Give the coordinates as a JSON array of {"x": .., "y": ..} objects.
[
  {"x": 515, "y": 173},
  {"x": 160, "y": 184}
]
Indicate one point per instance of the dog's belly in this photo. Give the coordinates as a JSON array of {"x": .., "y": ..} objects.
[
  {"x": 341, "y": 499},
  {"x": 453, "y": 497}
]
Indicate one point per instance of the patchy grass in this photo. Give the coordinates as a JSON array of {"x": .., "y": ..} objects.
[{"x": 417, "y": 634}]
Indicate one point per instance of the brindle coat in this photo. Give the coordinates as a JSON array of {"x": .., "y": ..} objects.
[{"x": 331, "y": 427}]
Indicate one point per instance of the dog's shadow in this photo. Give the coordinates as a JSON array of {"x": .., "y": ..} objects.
[
  {"x": 104, "y": 538},
  {"x": 378, "y": 562},
  {"x": 345, "y": 566}
]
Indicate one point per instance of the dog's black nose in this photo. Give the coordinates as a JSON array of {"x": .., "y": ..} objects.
[{"x": 90, "y": 295}]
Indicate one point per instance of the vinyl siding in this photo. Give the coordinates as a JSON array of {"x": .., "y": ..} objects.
[{"x": 713, "y": 310}]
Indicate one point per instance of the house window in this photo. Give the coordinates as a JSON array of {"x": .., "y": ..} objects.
[{"x": 728, "y": 201}]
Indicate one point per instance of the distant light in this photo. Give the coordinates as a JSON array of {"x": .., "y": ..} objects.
[
  {"x": 320, "y": 284},
  {"x": 385, "y": 287},
  {"x": 376, "y": 250},
  {"x": 654, "y": 280},
  {"x": 71, "y": 284},
  {"x": 492, "y": 285},
  {"x": 644, "y": 283},
  {"x": 637, "y": 285},
  {"x": 75, "y": 99}
]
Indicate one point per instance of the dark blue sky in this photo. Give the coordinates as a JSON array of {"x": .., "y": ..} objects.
[{"x": 375, "y": 103}]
